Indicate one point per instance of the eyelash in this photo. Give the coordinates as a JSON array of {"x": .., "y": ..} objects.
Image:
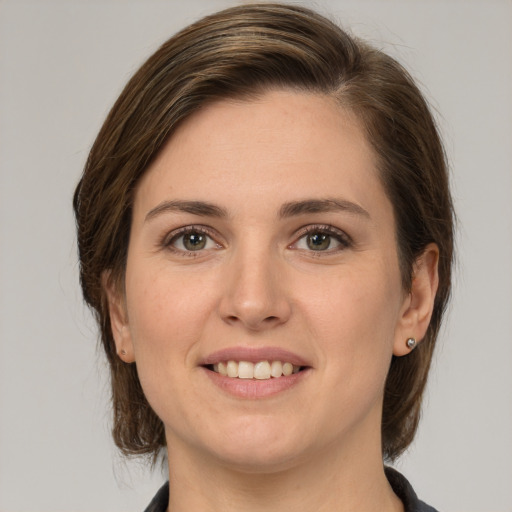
[
  {"x": 339, "y": 236},
  {"x": 170, "y": 239}
]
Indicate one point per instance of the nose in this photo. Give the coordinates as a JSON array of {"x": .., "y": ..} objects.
[{"x": 254, "y": 291}]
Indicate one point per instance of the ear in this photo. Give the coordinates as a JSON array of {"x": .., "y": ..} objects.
[
  {"x": 419, "y": 303},
  {"x": 118, "y": 318}
]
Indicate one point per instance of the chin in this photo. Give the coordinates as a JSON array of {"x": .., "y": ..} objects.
[
  {"x": 259, "y": 460},
  {"x": 257, "y": 445}
]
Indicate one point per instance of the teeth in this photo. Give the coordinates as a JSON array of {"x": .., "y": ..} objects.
[
  {"x": 262, "y": 370},
  {"x": 223, "y": 369},
  {"x": 287, "y": 369},
  {"x": 232, "y": 369},
  {"x": 276, "y": 369},
  {"x": 245, "y": 370}
]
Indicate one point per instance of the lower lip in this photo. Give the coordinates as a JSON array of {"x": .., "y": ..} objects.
[{"x": 254, "y": 388}]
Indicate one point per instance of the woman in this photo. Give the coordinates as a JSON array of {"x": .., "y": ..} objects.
[{"x": 265, "y": 234}]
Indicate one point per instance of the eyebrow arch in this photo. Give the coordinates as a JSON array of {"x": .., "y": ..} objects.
[
  {"x": 320, "y": 206},
  {"x": 201, "y": 208}
]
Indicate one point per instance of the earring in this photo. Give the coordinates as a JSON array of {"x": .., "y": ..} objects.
[
  {"x": 123, "y": 352},
  {"x": 411, "y": 343}
]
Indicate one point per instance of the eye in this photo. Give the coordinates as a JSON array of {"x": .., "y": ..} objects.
[
  {"x": 190, "y": 239},
  {"x": 322, "y": 239},
  {"x": 318, "y": 241}
]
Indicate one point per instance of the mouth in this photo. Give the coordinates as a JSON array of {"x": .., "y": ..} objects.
[
  {"x": 255, "y": 373},
  {"x": 260, "y": 370}
]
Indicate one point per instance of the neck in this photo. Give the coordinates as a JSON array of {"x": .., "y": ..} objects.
[{"x": 330, "y": 481}]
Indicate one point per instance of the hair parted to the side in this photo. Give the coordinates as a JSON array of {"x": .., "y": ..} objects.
[{"x": 239, "y": 53}]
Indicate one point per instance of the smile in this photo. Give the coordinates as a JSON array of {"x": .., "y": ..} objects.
[
  {"x": 255, "y": 372},
  {"x": 261, "y": 370}
]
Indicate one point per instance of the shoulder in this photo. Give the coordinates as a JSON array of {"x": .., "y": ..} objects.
[
  {"x": 405, "y": 492},
  {"x": 161, "y": 500}
]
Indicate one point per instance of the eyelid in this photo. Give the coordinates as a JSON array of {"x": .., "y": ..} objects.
[
  {"x": 169, "y": 238},
  {"x": 341, "y": 236}
]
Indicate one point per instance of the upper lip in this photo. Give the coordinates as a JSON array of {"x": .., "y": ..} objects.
[{"x": 254, "y": 355}]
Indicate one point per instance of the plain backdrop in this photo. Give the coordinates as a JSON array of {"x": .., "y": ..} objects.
[{"x": 62, "y": 64}]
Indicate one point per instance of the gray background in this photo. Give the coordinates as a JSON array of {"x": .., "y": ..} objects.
[{"x": 62, "y": 64}]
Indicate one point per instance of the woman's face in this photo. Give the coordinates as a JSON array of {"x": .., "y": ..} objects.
[{"x": 262, "y": 234}]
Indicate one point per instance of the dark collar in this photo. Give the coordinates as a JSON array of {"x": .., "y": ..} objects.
[
  {"x": 161, "y": 500},
  {"x": 401, "y": 487}
]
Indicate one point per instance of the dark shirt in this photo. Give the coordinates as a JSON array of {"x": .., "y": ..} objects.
[
  {"x": 398, "y": 482},
  {"x": 403, "y": 489}
]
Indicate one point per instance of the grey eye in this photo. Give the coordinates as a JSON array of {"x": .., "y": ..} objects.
[
  {"x": 322, "y": 239},
  {"x": 318, "y": 241},
  {"x": 194, "y": 241}
]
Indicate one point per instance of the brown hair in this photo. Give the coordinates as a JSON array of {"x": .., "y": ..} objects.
[{"x": 240, "y": 52}]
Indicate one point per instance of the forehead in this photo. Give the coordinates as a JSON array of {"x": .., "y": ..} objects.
[{"x": 282, "y": 145}]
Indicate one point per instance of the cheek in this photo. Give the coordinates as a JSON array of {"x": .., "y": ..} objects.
[
  {"x": 167, "y": 314},
  {"x": 353, "y": 321},
  {"x": 167, "y": 317},
  {"x": 349, "y": 303}
]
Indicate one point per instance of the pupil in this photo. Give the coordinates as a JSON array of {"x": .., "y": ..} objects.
[
  {"x": 194, "y": 241},
  {"x": 319, "y": 241}
]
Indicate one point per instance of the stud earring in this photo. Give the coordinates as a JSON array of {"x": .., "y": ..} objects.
[
  {"x": 411, "y": 343},
  {"x": 123, "y": 352}
]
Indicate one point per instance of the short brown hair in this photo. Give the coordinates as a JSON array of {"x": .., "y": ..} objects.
[{"x": 241, "y": 52}]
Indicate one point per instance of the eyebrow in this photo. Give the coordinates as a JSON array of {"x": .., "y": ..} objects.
[
  {"x": 295, "y": 208},
  {"x": 201, "y": 208},
  {"x": 291, "y": 209}
]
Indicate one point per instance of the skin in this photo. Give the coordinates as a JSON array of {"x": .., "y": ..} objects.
[{"x": 257, "y": 283}]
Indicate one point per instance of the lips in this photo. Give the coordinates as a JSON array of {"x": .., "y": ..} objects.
[
  {"x": 255, "y": 372},
  {"x": 254, "y": 355}
]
